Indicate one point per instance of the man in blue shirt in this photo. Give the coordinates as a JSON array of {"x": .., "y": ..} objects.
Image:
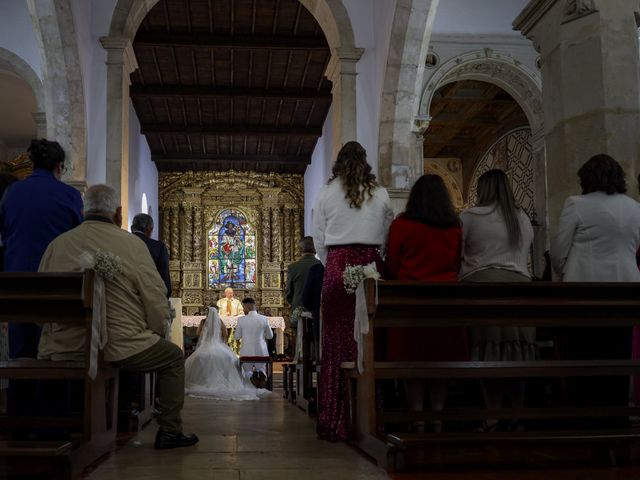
[{"x": 32, "y": 213}]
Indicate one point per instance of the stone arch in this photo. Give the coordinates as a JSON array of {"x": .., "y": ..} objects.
[
  {"x": 400, "y": 145},
  {"x": 332, "y": 17},
  {"x": 523, "y": 84},
  {"x": 62, "y": 83},
  {"x": 14, "y": 63}
]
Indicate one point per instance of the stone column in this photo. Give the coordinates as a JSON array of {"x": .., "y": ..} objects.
[
  {"x": 40, "y": 118},
  {"x": 591, "y": 87},
  {"x": 402, "y": 88},
  {"x": 121, "y": 62},
  {"x": 541, "y": 220},
  {"x": 342, "y": 73},
  {"x": 405, "y": 175},
  {"x": 55, "y": 33}
]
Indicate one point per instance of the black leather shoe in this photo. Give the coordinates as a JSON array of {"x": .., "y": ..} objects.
[{"x": 166, "y": 440}]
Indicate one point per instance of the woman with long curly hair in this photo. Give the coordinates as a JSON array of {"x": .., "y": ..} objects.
[{"x": 351, "y": 219}]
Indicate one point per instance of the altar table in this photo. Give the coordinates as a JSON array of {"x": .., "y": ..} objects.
[{"x": 277, "y": 323}]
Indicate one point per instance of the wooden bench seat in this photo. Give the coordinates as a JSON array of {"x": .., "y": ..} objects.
[
  {"x": 548, "y": 368},
  {"x": 567, "y": 306},
  {"x": 63, "y": 298}
]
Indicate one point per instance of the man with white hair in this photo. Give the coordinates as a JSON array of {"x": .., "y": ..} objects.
[
  {"x": 137, "y": 309},
  {"x": 228, "y": 306}
]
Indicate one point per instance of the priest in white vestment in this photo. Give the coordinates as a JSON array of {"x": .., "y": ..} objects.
[
  {"x": 228, "y": 306},
  {"x": 254, "y": 331}
]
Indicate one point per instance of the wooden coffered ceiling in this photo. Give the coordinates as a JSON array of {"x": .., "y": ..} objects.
[
  {"x": 467, "y": 116},
  {"x": 231, "y": 84}
]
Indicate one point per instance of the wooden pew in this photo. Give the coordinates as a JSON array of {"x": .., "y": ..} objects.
[
  {"x": 414, "y": 304},
  {"x": 305, "y": 392},
  {"x": 64, "y": 298}
]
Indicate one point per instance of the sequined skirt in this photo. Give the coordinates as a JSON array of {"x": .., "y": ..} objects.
[{"x": 338, "y": 345}]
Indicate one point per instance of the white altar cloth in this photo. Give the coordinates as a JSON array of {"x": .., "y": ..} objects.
[{"x": 276, "y": 323}]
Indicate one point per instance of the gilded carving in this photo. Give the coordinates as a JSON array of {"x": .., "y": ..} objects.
[
  {"x": 175, "y": 236},
  {"x": 198, "y": 239},
  {"x": 272, "y": 299},
  {"x": 187, "y": 236},
  {"x": 287, "y": 235},
  {"x": 190, "y": 202},
  {"x": 192, "y": 297}
]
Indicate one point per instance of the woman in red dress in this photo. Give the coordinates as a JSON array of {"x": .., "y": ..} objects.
[{"x": 425, "y": 244}]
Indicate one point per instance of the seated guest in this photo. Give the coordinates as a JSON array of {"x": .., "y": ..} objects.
[
  {"x": 228, "y": 306},
  {"x": 597, "y": 239},
  {"x": 253, "y": 330},
  {"x": 6, "y": 179},
  {"x": 142, "y": 227},
  {"x": 424, "y": 244},
  {"x": 136, "y": 307}
]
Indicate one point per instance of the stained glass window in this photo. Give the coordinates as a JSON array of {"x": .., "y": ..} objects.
[{"x": 232, "y": 251}]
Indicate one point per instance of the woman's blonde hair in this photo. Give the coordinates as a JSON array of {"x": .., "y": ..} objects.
[
  {"x": 494, "y": 188},
  {"x": 352, "y": 168}
]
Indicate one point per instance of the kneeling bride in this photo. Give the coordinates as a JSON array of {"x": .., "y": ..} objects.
[{"x": 212, "y": 371}]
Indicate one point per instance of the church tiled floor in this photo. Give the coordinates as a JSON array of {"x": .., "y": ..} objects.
[{"x": 267, "y": 439}]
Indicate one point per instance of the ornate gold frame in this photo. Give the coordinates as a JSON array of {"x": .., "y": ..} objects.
[{"x": 189, "y": 202}]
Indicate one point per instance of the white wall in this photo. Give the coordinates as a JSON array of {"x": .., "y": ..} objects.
[
  {"x": 143, "y": 174},
  {"x": 477, "y": 17},
  {"x": 372, "y": 30},
  {"x": 319, "y": 171},
  {"x": 17, "y": 34},
  {"x": 92, "y": 20}
]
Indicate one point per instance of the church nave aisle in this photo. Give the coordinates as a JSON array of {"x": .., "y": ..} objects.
[{"x": 266, "y": 439}]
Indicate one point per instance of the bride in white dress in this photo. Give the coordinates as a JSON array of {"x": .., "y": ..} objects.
[{"x": 212, "y": 371}]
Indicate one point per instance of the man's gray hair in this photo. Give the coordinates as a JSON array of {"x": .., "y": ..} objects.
[
  {"x": 100, "y": 199},
  {"x": 141, "y": 222},
  {"x": 307, "y": 246}
]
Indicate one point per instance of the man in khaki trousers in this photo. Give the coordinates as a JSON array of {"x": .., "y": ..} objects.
[{"x": 137, "y": 309}]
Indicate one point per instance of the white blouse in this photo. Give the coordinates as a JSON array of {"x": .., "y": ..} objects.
[
  {"x": 485, "y": 242},
  {"x": 334, "y": 222}
]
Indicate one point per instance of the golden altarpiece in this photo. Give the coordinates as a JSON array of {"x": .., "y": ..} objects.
[{"x": 238, "y": 229}]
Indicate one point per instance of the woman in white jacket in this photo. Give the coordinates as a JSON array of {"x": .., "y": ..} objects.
[
  {"x": 597, "y": 240},
  {"x": 599, "y": 231}
]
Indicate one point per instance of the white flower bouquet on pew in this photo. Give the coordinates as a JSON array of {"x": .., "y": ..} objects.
[
  {"x": 354, "y": 274},
  {"x": 105, "y": 264}
]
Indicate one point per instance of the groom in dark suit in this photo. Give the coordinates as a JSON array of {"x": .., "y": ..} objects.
[{"x": 142, "y": 226}]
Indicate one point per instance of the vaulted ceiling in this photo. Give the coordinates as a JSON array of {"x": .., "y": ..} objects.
[
  {"x": 467, "y": 116},
  {"x": 231, "y": 84}
]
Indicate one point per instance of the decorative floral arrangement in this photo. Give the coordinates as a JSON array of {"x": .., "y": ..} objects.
[
  {"x": 354, "y": 274},
  {"x": 106, "y": 264},
  {"x": 297, "y": 314}
]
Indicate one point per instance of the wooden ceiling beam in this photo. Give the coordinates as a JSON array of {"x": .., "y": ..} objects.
[
  {"x": 140, "y": 91},
  {"x": 236, "y": 41},
  {"x": 230, "y": 130}
]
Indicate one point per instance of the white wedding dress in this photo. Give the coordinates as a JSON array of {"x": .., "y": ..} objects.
[{"x": 212, "y": 371}]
